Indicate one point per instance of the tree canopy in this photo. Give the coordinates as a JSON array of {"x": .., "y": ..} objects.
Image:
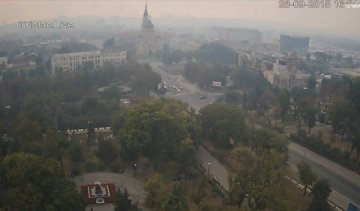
[
  {"x": 222, "y": 123},
  {"x": 307, "y": 176},
  {"x": 215, "y": 52},
  {"x": 158, "y": 129},
  {"x": 320, "y": 191},
  {"x": 30, "y": 182}
]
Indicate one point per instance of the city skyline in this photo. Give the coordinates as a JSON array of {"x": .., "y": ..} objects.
[{"x": 332, "y": 20}]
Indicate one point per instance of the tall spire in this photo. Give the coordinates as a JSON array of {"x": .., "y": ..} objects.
[
  {"x": 147, "y": 25},
  {"x": 146, "y": 12}
]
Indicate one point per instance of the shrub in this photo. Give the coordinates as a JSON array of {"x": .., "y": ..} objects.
[
  {"x": 75, "y": 171},
  {"x": 301, "y": 133},
  {"x": 117, "y": 166},
  {"x": 91, "y": 166}
]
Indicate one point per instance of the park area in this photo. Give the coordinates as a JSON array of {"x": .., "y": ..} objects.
[{"x": 126, "y": 180}]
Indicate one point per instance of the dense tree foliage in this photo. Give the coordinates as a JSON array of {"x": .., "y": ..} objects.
[
  {"x": 123, "y": 202},
  {"x": 144, "y": 80},
  {"x": 108, "y": 150},
  {"x": 306, "y": 175},
  {"x": 29, "y": 182},
  {"x": 161, "y": 198},
  {"x": 30, "y": 109},
  {"x": 249, "y": 80},
  {"x": 320, "y": 191},
  {"x": 161, "y": 130},
  {"x": 263, "y": 140},
  {"x": 222, "y": 124},
  {"x": 204, "y": 75},
  {"x": 216, "y": 53},
  {"x": 258, "y": 178},
  {"x": 342, "y": 115},
  {"x": 345, "y": 114}
]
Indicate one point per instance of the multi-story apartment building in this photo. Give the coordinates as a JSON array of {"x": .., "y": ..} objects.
[{"x": 89, "y": 59}]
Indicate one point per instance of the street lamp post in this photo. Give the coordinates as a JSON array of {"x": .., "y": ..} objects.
[
  {"x": 209, "y": 168},
  {"x": 135, "y": 166}
]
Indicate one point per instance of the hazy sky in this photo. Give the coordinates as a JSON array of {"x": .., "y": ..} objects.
[{"x": 335, "y": 20}]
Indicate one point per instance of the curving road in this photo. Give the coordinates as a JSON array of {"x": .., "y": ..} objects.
[{"x": 345, "y": 183}]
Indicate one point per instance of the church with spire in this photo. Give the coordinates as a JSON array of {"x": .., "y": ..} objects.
[
  {"x": 147, "y": 25},
  {"x": 147, "y": 42}
]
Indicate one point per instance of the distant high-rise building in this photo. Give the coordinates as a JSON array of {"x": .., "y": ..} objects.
[{"x": 299, "y": 45}]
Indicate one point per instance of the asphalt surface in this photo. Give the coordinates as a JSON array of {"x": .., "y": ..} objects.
[
  {"x": 345, "y": 183},
  {"x": 213, "y": 166}
]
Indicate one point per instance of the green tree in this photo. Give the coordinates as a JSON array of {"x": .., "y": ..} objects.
[
  {"x": 222, "y": 123},
  {"x": 284, "y": 103},
  {"x": 157, "y": 129},
  {"x": 156, "y": 191},
  {"x": 215, "y": 53},
  {"x": 268, "y": 99},
  {"x": 304, "y": 103},
  {"x": 258, "y": 177},
  {"x": 232, "y": 98},
  {"x": 264, "y": 140},
  {"x": 204, "y": 75},
  {"x": 175, "y": 199},
  {"x": 310, "y": 117},
  {"x": 145, "y": 80},
  {"x": 207, "y": 204},
  {"x": 354, "y": 93},
  {"x": 29, "y": 182},
  {"x": 311, "y": 83},
  {"x": 123, "y": 202},
  {"x": 320, "y": 191},
  {"x": 249, "y": 80},
  {"x": 342, "y": 115},
  {"x": 307, "y": 176},
  {"x": 76, "y": 153},
  {"x": 108, "y": 150}
]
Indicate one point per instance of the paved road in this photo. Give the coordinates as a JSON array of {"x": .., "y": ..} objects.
[
  {"x": 345, "y": 183},
  {"x": 215, "y": 168},
  {"x": 190, "y": 92}
]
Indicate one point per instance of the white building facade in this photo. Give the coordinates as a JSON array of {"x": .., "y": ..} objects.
[
  {"x": 90, "y": 59},
  {"x": 3, "y": 61}
]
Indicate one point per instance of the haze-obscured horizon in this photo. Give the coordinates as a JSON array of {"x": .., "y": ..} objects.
[{"x": 258, "y": 14}]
